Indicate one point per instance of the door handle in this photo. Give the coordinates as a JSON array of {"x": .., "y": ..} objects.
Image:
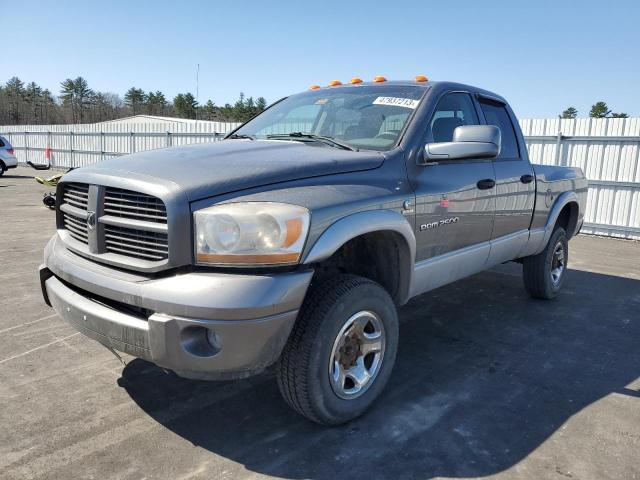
[
  {"x": 486, "y": 184},
  {"x": 526, "y": 178}
]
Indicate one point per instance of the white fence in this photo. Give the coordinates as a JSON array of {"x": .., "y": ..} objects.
[
  {"x": 607, "y": 150},
  {"x": 79, "y": 145}
]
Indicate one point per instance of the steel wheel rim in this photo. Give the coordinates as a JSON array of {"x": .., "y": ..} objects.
[
  {"x": 557, "y": 263},
  {"x": 356, "y": 356}
]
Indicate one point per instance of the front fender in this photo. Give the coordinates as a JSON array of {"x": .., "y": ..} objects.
[
  {"x": 361, "y": 223},
  {"x": 352, "y": 226}
]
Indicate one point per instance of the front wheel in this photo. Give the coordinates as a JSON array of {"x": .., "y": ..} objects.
[
  {"x": 544, "y": 273},
  {"x": 341, "y": 351}
]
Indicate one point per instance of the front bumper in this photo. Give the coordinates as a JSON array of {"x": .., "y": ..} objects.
[{"x": 199, "y": 324}]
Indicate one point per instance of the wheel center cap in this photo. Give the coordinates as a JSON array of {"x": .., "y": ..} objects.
[{"x": 349, "y": 351}]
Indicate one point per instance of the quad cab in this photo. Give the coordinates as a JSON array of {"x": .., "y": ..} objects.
[{"x": 293, "y": 241}]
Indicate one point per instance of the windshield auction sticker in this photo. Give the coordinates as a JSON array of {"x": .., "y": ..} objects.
[{"x": 397, "y": 102}]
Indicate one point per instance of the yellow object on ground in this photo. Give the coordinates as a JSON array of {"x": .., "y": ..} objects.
[{"x": 51, "y": 181}]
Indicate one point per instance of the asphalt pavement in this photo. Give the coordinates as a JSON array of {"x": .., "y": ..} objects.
[{"x": 488, "y": 382}]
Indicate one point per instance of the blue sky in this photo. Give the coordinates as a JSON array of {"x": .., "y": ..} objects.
[{"x": 542, "y": 56}]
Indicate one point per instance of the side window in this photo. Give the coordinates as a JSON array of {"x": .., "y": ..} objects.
[
  {"x": 453, "y": 110},
  {"x": 1, "y": 142},
  {"x": 497, "y": 115}
]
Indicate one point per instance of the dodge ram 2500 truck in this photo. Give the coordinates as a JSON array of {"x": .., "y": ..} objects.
[{"x": 293, "y": 241}]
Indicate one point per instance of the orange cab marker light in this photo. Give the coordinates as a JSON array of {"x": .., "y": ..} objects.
[
  {"x": 421, "y": 78},
  {"x": 314, "y": 87},
  {"x": 379, "y": 79},
  {"x": 335, "y": 83},
  {"x": 355, "y": 80}
]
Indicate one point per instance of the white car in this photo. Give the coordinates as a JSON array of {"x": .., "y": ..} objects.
[{"x": 7, "y": 158}]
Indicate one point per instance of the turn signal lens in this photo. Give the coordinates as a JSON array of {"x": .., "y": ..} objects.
[
  {"x": 379, "y": 79},
  {"x": 335, "y": 83},
  {"x": 355, "y": 80},
  {"x": 421, "y": 78},
  {"x": 314, "y": 87}
]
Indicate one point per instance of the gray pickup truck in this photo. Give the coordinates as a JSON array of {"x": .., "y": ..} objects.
[{"x": 294, "y": 240}]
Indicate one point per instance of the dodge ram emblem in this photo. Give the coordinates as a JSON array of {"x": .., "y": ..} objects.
[{"x": 91, "y": 220}]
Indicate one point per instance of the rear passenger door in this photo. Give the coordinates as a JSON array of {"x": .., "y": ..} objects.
[{"x": 515, "y": 180}]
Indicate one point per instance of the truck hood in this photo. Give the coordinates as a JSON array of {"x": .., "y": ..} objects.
[{"x": 209, "y": 169}]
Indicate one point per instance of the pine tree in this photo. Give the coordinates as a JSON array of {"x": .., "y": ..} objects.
[
  {"x": 209, "y": 111},
  {"x": 134, "y": 99},
  {"x": 599, "y": 110},
  {"x": 14, "y": 90},
  {"x": 185, "y": 105},
  {"x": 570, "y": 112},
  {"x": 77, "y": 96}
]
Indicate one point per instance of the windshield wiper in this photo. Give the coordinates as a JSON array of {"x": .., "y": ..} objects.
[
  {"x": 320, "y": 138},
  {"x": 235, "y": 136}
]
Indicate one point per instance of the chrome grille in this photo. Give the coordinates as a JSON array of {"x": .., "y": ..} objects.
[
  {"x": 123, "y": 222},
  {"x": 77, "y": 196},
  {"x": 136, "y": 243},
  {"x": 137, "y": 206},
  {"x": 76, "y": 228}
]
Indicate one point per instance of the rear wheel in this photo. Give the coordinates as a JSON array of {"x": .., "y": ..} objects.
[
  {"x": 341, "y": 351},
  {"x": 544, "y": 273},
  {"x": 2, "y": 168}
]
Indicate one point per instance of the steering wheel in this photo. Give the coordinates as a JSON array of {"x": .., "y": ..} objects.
[{"x": 389, "y": 135}]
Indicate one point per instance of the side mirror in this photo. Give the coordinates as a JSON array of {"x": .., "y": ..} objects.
[{"x": 469, "y": 141}]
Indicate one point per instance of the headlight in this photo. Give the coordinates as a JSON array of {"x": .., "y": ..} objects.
[{"x": 250, "y": 233}]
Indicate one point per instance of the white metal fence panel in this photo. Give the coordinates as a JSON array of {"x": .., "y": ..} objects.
[
  {"x": 608, "y": 152},
  {"x": 79, "y": 145},
  {"x": 606, "y": 149}
]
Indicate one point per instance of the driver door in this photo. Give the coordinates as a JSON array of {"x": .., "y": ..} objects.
[{"x": 455, "y": 199}]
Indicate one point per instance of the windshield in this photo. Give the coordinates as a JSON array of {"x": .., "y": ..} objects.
[{"x": 367, "y": 117}]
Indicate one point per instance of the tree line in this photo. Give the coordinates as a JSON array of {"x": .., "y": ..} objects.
[
  {"x": 30, "y": 104},
  {"x": 598, "y": 110}
]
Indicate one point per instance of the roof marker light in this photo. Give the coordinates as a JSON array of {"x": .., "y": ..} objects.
[
  {"x": 314, "y": 87},
  {"x": 335, "y": 83},
  {"x": 421, "y": 78},
  {"x": 379, "y": 78},
  {"x": 355, "y": 80}
]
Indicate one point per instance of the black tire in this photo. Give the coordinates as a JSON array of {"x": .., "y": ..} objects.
[
  {"x": 537, "y": 269},
  {"x": 303, "y": 370},
  {"x": 2, "y": 168}
]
